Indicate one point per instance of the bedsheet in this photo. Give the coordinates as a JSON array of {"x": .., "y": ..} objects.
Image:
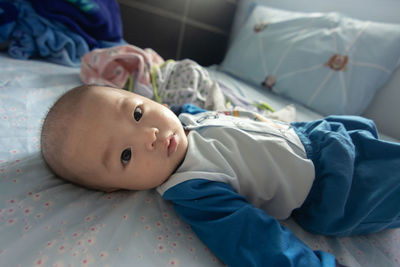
[{"x": 45, "y": 221}]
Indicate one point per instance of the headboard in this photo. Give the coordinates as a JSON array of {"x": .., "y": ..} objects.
[{"x": 178, "y": 29}]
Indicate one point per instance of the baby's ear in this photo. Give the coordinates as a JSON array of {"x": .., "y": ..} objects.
[{"x": 165, "y": 105}]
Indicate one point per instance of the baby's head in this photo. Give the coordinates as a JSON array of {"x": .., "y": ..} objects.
[{"x": 109, "y": 139}]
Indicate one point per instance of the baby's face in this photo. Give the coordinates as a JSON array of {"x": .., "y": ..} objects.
[{"x": 124, "y": 141}]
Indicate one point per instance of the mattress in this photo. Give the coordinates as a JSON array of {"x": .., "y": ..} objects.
[{"x": 45, "y": 221}]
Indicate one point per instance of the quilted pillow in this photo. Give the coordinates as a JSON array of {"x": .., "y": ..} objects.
[{"x": 327, "y": 61}]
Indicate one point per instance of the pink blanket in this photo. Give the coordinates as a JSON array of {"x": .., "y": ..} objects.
[{"x": 113, "y": 66}]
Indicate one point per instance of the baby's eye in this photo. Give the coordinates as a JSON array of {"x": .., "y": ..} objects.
[
  {"x": 137, "y": 113},
  {"x": 126, "y": 156}
]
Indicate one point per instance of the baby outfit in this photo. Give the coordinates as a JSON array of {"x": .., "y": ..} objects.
[
  {"x": 239, "y": 176},
  {"x": 264, "y": 162}
]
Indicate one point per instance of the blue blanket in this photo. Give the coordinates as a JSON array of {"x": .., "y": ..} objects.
[
  {"x": 95, "y": 20},
  {"x": 28, "y": 34}
]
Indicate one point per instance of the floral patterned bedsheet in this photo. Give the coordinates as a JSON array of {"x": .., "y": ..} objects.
[{"x": 45, "y": 221}]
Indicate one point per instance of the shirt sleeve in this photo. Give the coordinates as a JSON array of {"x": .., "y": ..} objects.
[{"x": 237, "y": 232}]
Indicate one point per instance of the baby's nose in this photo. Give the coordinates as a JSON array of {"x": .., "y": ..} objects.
[{"x": 151, "y": 138}]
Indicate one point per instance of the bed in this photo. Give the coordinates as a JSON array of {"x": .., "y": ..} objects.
[{"x": 45, "y": 221}]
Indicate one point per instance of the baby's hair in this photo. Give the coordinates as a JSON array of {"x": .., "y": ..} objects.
[{"x": 55, "y": 130}]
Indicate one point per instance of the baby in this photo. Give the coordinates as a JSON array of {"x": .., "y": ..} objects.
[
  {"x": 99, "y": 138},
  {"x": 231, "y": 175}
]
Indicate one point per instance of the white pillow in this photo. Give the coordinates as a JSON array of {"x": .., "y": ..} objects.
[{"x": 327, "y": 61}]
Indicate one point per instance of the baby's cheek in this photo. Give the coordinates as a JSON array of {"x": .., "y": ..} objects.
[
  {"x": 150, "y": 167},
  {"x": 149, "y": 163}
]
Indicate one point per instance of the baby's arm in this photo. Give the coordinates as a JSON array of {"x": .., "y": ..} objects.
[{"x": 237, "y": 232}]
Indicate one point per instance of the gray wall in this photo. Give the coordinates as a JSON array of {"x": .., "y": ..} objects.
[{"x": 178, "y": 29}]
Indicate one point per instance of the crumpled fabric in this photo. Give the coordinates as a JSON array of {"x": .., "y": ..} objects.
[
  {"x": 114, "y": 66},
  {"x": 97, "y": 21},
  {"x": 169, "y": 82},
  {"x": 8, "y": 17},
  {"x": 185, "y": 81},
  {"x": 29, "y": 35}
]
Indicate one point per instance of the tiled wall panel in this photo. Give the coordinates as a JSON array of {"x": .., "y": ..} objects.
[{"x": 177, "y": 29}]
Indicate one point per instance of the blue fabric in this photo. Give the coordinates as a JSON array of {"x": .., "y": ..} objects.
[
  {"x": 186, "y": 108},
  {"x": 94, "y": 20},
  {"x": 8, "y": 16},
  {"x": 35, "y": 36},
  {"x": 192, "y": 109},
  {"x": 237, "y": 232},
  {"x": 31, "y": 35},
  {"x": 8, "y": 12},
  {"x": 357, "y": 186}
]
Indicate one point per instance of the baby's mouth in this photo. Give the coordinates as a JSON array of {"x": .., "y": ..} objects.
[{"x": 173, "y": 145}]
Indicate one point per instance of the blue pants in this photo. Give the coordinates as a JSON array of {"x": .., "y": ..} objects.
[{"x": 357, "y": 184}]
